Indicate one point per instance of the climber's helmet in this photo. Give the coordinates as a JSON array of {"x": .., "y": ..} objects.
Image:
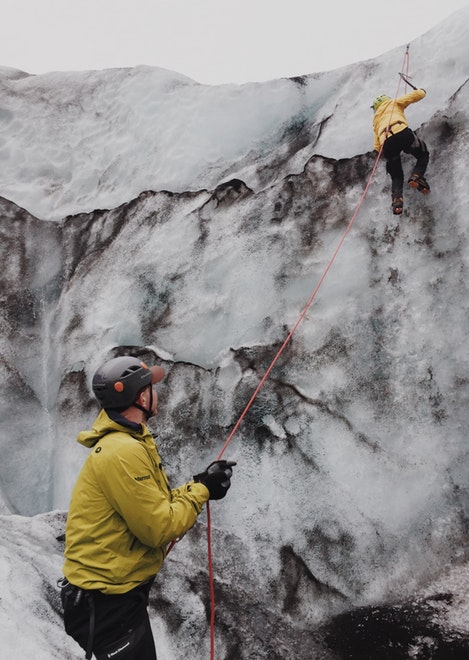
[
  {"x": 380, "y": 99},
  {"x": 118, "y": 382}
]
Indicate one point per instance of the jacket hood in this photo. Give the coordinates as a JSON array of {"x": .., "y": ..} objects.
[{"x": 104, "y": 424}]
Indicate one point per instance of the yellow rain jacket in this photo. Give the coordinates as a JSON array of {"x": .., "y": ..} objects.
[
  {"x": 122, "y": 512},
  {"x": 389, "y": 117}
]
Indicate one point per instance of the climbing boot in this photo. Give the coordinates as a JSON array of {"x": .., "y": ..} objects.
[
  {"x": 419, "y": 183},
  {"x": 397, "y": 205}
]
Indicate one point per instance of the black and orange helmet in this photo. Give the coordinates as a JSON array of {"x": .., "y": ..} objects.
[{"x": 118, "y": 382}]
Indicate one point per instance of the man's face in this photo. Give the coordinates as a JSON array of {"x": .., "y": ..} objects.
[{"x": 146, "y": 397}]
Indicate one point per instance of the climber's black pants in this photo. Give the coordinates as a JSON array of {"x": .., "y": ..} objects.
[
  {"x": 113, "y": 626},
  {"x": 408, "y": 142}
]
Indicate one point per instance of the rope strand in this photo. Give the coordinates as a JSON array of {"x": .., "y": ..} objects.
[
  {"x": 211, "y": 583},
  {"x": 273, "y": 363},
  {"x": 264, "y": 378},
  {"x": 313, "y": 295}
]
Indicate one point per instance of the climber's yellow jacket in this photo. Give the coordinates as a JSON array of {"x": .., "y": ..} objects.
[
  {"x": 122, "y": 511},
  {"x": 389, "y": 117}
]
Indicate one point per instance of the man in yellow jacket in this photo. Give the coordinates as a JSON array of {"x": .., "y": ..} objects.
[
  {"x": 392, "y": 133},
  {"x": 122, "y": 516}
]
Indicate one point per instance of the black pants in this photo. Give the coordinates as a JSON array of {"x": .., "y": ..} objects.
[
  {"x": 409, "y": 143},
  {"x": 113, "y": 626}
]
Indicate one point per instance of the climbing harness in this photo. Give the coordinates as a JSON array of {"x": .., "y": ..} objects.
[{"x": 76, "y": 596}]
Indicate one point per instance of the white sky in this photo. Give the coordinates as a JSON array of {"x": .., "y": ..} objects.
[{"x": 211, "y": 41}]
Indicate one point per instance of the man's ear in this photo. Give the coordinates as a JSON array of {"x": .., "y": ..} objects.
[{"x": 141, "y": 398}]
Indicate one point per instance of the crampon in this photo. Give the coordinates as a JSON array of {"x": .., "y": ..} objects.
[
  {"x": 419, "y": 183},
  {"x": 397, "y": 205}
]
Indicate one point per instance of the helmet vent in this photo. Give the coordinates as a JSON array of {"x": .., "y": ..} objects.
[{"x": 131, "y": 370}]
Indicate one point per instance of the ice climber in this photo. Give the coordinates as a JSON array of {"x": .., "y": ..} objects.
[
  {"x": 122, "y": 515},
  {"x": 391, "y": 128}
]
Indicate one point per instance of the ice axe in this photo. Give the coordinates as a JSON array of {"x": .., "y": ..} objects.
[{"x": 404, "y": 78}]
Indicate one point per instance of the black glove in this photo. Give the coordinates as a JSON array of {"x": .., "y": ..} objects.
[{"x": 217, "y": 478}]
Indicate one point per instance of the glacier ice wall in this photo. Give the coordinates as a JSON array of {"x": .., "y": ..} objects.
[{"x": 351, "y": 484}]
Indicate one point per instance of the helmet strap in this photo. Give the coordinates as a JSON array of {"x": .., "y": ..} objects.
[{"x": 147, "y": 412}]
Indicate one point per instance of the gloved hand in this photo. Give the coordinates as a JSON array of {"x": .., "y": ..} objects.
[{"x": 217, "y": 478}]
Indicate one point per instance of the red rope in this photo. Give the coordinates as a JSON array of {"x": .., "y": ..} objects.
[
  {"x": 313, "y": 295},
  {"x": 273, "y": 363},
  {"x": 212, "y": 584},
  {"x": 264, "y": 378}
]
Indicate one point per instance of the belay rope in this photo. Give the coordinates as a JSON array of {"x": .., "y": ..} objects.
[{"x": 404, "y": 77}]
